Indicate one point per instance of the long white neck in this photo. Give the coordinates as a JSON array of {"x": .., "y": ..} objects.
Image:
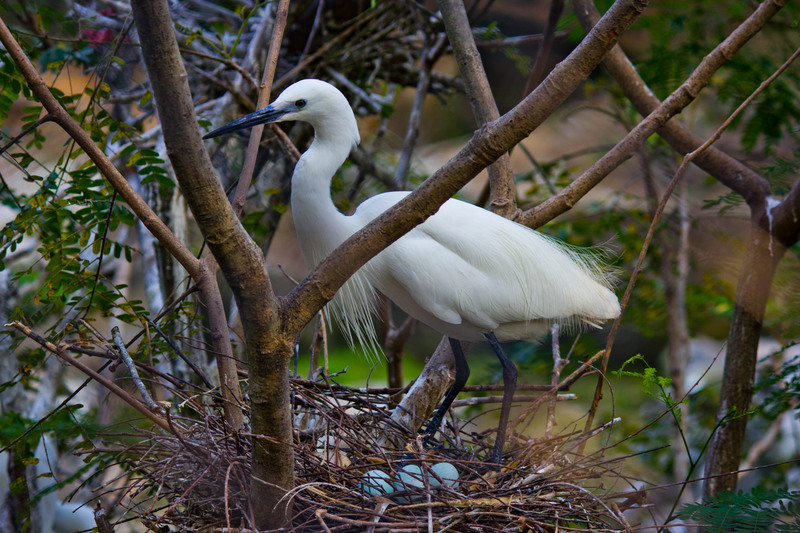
[{"x": 320, "y": 226}]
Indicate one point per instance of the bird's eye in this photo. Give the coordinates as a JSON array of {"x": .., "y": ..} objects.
[{"x": 300, "y": 103}]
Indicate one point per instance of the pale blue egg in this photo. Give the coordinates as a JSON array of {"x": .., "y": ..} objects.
[
  {"x": 377, "y": 482},
  {"x": 448, "y": 474},
  {"x": 410, "y": 477}
]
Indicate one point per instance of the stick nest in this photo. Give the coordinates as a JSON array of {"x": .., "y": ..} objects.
[{"x": 199, "y": 481}]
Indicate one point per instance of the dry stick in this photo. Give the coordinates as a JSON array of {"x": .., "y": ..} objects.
[
  {"x": 430, "y": 53},
  {"x": 677, "y": 101},
  {"x": 481, "y": 400},
  {"x": 221, "y": 344},
  {"x": 514, "y": 42},
  {"x": 556, "y": 8},
  {"x": 29, "y": 128},
  {"x": 355, "y": 25},
  {"x": 101, "y": 520},
  {"x": 105, "y": 382},
  {"x": 558, "y": 366},
  {"x": 566, "y": 382},
  {"x": 657, "y": 216},
  {"x": 484, "y": 107},
  {"x": 196, "y": 369},
  {"x": 126, "y": 357},
  {"x": 263, "y": 99}
]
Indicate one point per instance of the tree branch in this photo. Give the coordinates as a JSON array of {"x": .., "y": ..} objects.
[
  {"x": 729, "y": 171},
  {"x": 269, "y": 346},
  {"x": 105, "y": 382},
  {"x": 765, "y": 280},
  {"x": 556, "y": 8},
  {"x": 265, "y": 89},
  {"x": 502, "y": 199},
  {"x": 676, "y": 102}
]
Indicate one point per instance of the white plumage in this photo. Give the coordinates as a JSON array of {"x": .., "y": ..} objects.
[{"x": 465, "y": 271}]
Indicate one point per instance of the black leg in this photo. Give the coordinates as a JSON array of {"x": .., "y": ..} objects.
[
  {"x": 509, "y": 386},
  {"x": 462, "y": 373}
]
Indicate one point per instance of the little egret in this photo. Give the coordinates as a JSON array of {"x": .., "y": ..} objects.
[{"x": 466, "y": 272}]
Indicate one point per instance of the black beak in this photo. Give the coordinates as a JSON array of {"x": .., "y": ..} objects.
[{"x": 262, "y": 116}]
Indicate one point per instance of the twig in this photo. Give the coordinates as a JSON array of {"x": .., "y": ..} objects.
[
  {"x": 249, "y": 164},
  {"x": 535, "y": 76},
  {"x": 120, "y": 344},
  {"x": 100, "y": 518},
  {"x": 16, "y": 138},
  {"x": 558, "y": 366},
  {"x": 564, "y": 383},
  {"x": 481, "y": 400},
  {"x": 429, "y": 56},
  {"x": 167, "y": 309},
  {"x": 186, "y": 359},
  {"x": 687, "y": 160},
  {"x": 105, "y": 382}
]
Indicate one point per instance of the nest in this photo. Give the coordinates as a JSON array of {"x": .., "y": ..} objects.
[{"x": 199, "y": 481}]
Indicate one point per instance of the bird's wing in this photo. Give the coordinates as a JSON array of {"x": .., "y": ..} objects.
[{"x": 466, "y": 264}]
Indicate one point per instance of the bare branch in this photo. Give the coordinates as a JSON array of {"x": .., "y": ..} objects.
[
  {"x": 105, "y": 382},
  {"x": 431, "y": 52},
  {"x": 729, "y": 171},
  {"x": 256, "y": 132},
  {"x": 126, "y": 357},
  {"x": 501, "y": 177},
  {"x": 556, "y": 8},
  {"x": 676, "y": 102}
]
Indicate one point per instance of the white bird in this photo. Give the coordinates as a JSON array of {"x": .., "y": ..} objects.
[{"x": 465, "y": 271}]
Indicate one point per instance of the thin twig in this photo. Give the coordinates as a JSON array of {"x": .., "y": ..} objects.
[
  {"x": 186, "y": 359},
  {"x": 429, "y": 55},
  {"x": 543, "y": 55},
  {"x": 256, "y": 132},
  {"x": 126, "y": 357},
  {"x": 105, "y": 382},
  {"x": 555, "y": 374},
  {"x": 687, "y": 159}
]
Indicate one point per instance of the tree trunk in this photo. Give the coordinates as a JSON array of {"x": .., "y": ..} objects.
[
  {"x": 271, "y": 420},
  {"x": 761, "y": 257}
]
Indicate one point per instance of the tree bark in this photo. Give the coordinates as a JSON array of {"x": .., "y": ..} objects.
[{"x": 761, "y": 258}]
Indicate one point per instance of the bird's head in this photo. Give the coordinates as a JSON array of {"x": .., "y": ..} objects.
[{"x": 314, "y": 101}]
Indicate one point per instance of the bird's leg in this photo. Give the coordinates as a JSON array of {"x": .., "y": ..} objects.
[
  {"x": 509, "y": 386},
  {"x": 462, "y": 373}
]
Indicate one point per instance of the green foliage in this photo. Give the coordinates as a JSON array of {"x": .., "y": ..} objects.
[
  {"x": 779, "y": 387},
  {"x": 747, "y": 512},
  {"x": 652, "y": 383},
  {"x": 774, "y": 114}
]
